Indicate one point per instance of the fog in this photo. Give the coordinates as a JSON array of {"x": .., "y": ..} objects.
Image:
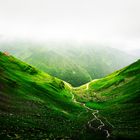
[{"x": 106, "y": 22}]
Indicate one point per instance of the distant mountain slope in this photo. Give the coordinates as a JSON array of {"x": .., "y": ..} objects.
[
  {"x": 117, "y": 97},
  {"x": 72, "y": 62},
  {"x": 35, "y": 105}
]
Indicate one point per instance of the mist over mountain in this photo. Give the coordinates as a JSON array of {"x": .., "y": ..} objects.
[
  {"x": 69, "y": 70},
  {"x": 135, "y": 52},
  {"x": 73, "y": 62}
]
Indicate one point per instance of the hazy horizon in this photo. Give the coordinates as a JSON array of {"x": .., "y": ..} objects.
[{"x": 109, "y": 23}]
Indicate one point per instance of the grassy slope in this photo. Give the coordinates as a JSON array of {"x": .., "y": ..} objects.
[
  {"x": 59, "y": 66},
  {"x": 72, "y": 62},
  {"x": 33, "y": 102},
  {"x": 117, "y": 96},
  {"x": 34, "y": 105}
]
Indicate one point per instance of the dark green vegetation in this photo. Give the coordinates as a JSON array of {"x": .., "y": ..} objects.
[
  {"x": 72, "y": 62},
  {"x": 35, "y": 105},
  {"x": 117, "y": 97}
]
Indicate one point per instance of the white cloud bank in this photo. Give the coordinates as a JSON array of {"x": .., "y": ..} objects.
[{"x": 113, "y": 22}]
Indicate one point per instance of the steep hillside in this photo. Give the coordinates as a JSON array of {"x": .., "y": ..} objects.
[
  {"x": 72, "y": 62},
  {"x": 33, "y": 102},
  {"x": 35, "y": 105},
  {"x": 117, "y": 97}
]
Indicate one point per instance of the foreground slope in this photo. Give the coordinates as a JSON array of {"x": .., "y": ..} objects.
[
  {"x": 117, "y": 97},
  {"x": 35, "y": 105}
]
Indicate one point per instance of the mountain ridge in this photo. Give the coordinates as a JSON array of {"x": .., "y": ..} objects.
[
  {"x": 75, "y": 63},
  {"x": 116, "y": 96},
  {"x": 34, "y": 102}
]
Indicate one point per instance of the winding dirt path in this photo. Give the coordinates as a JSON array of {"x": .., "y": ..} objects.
[{"x": 100, "y": 127}]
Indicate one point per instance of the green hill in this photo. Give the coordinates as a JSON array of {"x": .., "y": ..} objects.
[
  {"x": 75, "y": 63},
  {"x": 35, "y": 105},
  {"x": 117, "y": 97}
]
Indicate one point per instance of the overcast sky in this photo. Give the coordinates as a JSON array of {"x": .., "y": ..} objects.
[{"x": 111, "y": 22}]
